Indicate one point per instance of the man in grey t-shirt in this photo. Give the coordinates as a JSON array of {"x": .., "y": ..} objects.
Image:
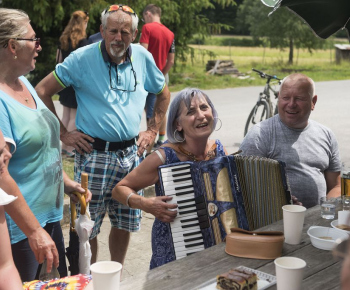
[{"x": 309, "y": 149}]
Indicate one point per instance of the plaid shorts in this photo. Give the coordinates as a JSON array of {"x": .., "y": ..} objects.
[{"x": 105, "y": 170}]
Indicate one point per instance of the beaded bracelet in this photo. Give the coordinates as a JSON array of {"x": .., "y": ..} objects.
[{"x": 127, "y": 199}]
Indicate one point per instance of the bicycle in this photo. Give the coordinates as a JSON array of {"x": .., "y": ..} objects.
[{"x": 264, "y": 107}]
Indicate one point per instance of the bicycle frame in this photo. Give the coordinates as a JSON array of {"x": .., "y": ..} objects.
[{"x": 263, "y": 108}]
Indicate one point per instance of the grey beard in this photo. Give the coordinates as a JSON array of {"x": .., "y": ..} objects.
[{"x": 114, "y": 53}]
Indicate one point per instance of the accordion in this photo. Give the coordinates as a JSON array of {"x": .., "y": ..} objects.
[{"x": 216, "y": 195}]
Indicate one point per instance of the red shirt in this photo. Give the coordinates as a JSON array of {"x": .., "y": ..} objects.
[{"x": 160, "y": 42}]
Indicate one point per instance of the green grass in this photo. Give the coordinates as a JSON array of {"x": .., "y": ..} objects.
[
  {"x": 319, "y": 65},
  {"x": 68, "y": 166}
]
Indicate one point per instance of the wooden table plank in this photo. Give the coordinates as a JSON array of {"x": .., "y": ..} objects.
[{"x": 198, "y": 268}]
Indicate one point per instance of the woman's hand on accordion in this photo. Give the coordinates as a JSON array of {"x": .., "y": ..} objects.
[{"x": 165, "y": 212}]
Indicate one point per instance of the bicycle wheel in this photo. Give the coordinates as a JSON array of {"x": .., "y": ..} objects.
[{"x": 260, "y": 112}]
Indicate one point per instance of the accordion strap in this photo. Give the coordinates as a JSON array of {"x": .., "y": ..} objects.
[{"x": 191, "y": 156}]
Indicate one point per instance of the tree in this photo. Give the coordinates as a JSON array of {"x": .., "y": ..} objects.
[
  {"x": 282, "y": 28},
  {"x": 49, "y": 17}
]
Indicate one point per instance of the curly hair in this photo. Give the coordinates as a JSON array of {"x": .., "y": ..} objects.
[{"x": 75, "y": 30}]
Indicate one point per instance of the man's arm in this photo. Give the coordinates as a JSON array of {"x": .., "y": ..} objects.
[
  {"x": 333, "y": 183},
  {"x": 45, "y": 90},
  {"x": 160, "y": 107},
  {"x": 169, "y": 63}
]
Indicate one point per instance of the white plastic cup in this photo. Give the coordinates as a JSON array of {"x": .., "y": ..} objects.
[
  {"x": 293, "y": 221},
  {"x": 106, "y": 275},
  {"x": 289, "y": 273},
  {"x": 344, "y": 217}
]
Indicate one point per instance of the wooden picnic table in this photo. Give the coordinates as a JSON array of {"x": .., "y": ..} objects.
[{"x": 322, "y": 271}]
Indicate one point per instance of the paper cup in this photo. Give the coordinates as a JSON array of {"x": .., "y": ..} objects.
[
  {"x": 106, "y": 275},
  {"x": 289, "y": 273},
  {"x": 344, "y": 217},
  {"x": 293, "y": 221}
]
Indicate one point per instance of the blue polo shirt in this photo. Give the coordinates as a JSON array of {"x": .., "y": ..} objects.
[{"x": 110, "y": 114}]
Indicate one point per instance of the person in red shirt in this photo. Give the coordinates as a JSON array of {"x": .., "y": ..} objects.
[{"x": 159, "y": 41}]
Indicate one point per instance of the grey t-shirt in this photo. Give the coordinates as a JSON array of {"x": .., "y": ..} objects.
[{"x": 307, "y": 152}]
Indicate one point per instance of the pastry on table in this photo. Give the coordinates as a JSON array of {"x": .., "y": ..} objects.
[{"x": 237, "y": 279}]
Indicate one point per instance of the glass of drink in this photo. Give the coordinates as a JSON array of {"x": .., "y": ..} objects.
[
  {"x": 346, "y": 202},
  {"x": 328, "y": 206},
  {"x": 345, "y": 179}
]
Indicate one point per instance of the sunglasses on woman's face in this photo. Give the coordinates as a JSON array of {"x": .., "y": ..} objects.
[{"x": 37, "y": 40}]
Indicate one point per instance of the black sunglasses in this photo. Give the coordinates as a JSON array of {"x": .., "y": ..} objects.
[
  {"x": 116, "y": 72},
  {"x": 37, "y": 40}
]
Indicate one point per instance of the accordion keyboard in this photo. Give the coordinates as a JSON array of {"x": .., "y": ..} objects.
[{"x": 192, "y": 213}]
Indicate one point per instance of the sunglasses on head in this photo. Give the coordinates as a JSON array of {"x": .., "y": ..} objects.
[
  {"x": 114, "y": 8},
  {"x": 36, "y": 39}
]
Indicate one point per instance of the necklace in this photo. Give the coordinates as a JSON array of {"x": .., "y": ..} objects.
[
  {"x": 210, "y": 154},
  {"x": 23, "y": 97}
]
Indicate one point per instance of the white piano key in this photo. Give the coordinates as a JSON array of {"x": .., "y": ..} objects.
[
  {"x": 174, "y": 178},
  {"x": 186, "y": 232},
  {"x": 173, "y": 186},
  {"x": 189, "y": 220},
  {"x": 177, "y": 198},
  {"x": 181, "y": 237},
  {"x": 180, "y": 230},
  {"x": 189, "y": 209},
  {"x": 171, "y": 168},
  {"x": 182, "y": 244},
  {"x": 188, "y": 190},
  {"x": 183, "y": 250},
  {"x": 187, "y": 203}
]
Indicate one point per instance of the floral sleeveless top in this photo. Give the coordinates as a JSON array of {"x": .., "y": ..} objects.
[{"x": 162, "y": 249}]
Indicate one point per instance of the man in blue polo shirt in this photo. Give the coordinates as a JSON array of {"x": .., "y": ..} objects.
[{"x": 111, "y": 80}]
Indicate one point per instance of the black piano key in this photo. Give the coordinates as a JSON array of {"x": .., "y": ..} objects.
[
  {"x": 185, "y": 206},
  {"x": 194, "y": 245},
  {"x": 184, "y": 192},
  {"x": 187, "y": 211},
  {"x": 183, "y": 187},
  {"x": 191, "y": 225},
  {"x": 188, "y": 220},
  {"x": 182, "y": 179},
  {"x": 180, "y": 168},
  {"x": 190, "y": 234},
  {"x": 193, "y": 239},
  {"x": 180, "y": 174},
  {"x": 185, "y": 200}
]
